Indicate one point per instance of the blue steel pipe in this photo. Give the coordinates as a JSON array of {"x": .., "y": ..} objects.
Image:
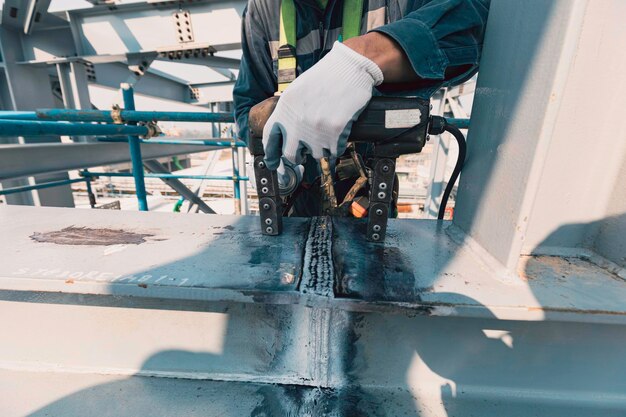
[
  {"x": 132, "y": 116},
  {"x": 202, "y": 142},
  {"x": 160, "y": 175},
  {"x": 18, "y": 115},
  {"x": 236, "y": 188},
  {"x": 135, "y": 152},
  {"x": 72, "y": 115},
  {"x": 36, "y": 128},
  {"x": 50, "y": 184}
]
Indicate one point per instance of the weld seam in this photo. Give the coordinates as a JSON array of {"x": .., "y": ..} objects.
[{"x": 318, "y": 275}]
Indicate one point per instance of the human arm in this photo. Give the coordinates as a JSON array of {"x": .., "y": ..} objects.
[
  {"x": 439, "y": 41},
  {"x": 255, "y": 81}
]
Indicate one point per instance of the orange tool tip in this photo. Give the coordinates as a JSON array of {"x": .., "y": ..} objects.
[{"x": 358, "y": 208}]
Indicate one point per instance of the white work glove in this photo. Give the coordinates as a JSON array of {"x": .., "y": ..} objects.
[{"x": 315, "y": 113}]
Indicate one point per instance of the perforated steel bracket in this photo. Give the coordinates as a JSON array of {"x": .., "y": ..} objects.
[
  {"x": 270, "y": 203},
  {"x": 383, "y": 176},
  {"x": 182, "y": 25}
]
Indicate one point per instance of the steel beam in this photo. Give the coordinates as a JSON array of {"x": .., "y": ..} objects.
[
  {"x": 14, "y": 159},
  {"x": 152, "y": 83},
  {"x": 23, "y": 15},
  {"x": 208, "y": 61},
  {"x": 128, "y": 28},
  {"x": 542, "y": 173},
  {"x": 74, "y": 85},
  {"x": 294, "y": 324},
  {"x": 213, "y": 92},
  {"x": 27, "y": 89}
]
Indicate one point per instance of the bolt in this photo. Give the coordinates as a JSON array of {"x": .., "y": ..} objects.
[
  {"x": 379, "y": 212},
  {"x": 266, "y": 206},
  {"x": 375, "y": 236},
  {"x": 376, "y": 228},
  {"x": 264, "y": 181},
  {"x": 385, "y": 168},
  {"x": 268, "y": 221},
  {"x": 382, "y": 195},
  {"x": 269, "y": 230},
  {"x": 265, "y": 190},
  {"x": 382, "y": 185},
  {"x": 261, "y": 164}
]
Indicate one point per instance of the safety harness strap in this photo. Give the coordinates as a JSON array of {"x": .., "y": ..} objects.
[
  {"x": 351, "y": 27},
  {"x": 351, "y": 23},
  {"x": 287, "y": 45}
]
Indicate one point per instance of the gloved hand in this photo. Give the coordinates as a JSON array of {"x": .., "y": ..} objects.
[{"x": 315, "y": 113}]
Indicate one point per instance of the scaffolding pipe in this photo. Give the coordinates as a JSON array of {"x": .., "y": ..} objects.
[
  {"x": 90, "y": 194},
  {"x": 236, "y": 187},
  {"x": 201, "y": 142},
  {"x": 156, "y": 167},
  {"x": 244, "y": 185},
  {"x": 18, "y": 115},
  {"x": 50, "y": 184},
  {"x": 36, "y": 128},
  {"x": 135, "y": 152},
  {"x": 159, "y": 175},
  {"x": 132, "y": 116},
  {"x": 112, "y": 116}
]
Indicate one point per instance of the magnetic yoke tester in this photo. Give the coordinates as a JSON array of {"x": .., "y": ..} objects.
[{"x": 391, "y": 126}]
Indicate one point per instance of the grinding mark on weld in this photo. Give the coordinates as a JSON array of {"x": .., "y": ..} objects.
[{"x": 318, "y": 272}]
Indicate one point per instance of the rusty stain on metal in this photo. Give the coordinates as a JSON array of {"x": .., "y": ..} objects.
[
  {"x": 93, "y": 237},
  {"x": 562, "y": 268}
]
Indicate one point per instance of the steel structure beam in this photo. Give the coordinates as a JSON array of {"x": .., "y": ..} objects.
[
  {"x": 542, "y": 176},
  {"x": 213, "y": 92},
  {"x": 27, "y": 89},
  {"x": 128, "y": 28},
  {"x": 219, "y": 62},
  {"x": 24, "y": 15},
  {"x": 15, "y": 159},
  {"x": 313, "y": 321},
  {"x": 152, "y": 83}
]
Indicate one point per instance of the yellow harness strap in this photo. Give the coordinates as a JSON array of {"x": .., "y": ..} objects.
[
  {"x": 287, "y": 45},
  {"x": 351, "y": 27}
]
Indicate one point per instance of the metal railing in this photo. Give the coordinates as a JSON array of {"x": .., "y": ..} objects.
[
  {"x": 117, "y": 125},
  {"x": 126, "y": 125}
]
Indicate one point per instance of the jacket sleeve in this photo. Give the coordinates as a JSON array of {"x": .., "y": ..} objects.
[
  {"x": 256, "y": 80},
  {"x": 441, "y": 34}
]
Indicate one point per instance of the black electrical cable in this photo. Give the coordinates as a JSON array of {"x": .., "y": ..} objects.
[{"x": 460, "y": 139}]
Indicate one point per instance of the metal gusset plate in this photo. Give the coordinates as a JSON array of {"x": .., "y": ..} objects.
[
  {"x": 270, "y": 203},
  {"x": 383, "y": 175}
]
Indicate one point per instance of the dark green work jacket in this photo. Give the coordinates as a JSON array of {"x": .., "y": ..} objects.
[{"x": 442, "y": 39}]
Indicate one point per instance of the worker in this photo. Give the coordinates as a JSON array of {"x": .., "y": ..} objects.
[{"x": 342, "y": 52}]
